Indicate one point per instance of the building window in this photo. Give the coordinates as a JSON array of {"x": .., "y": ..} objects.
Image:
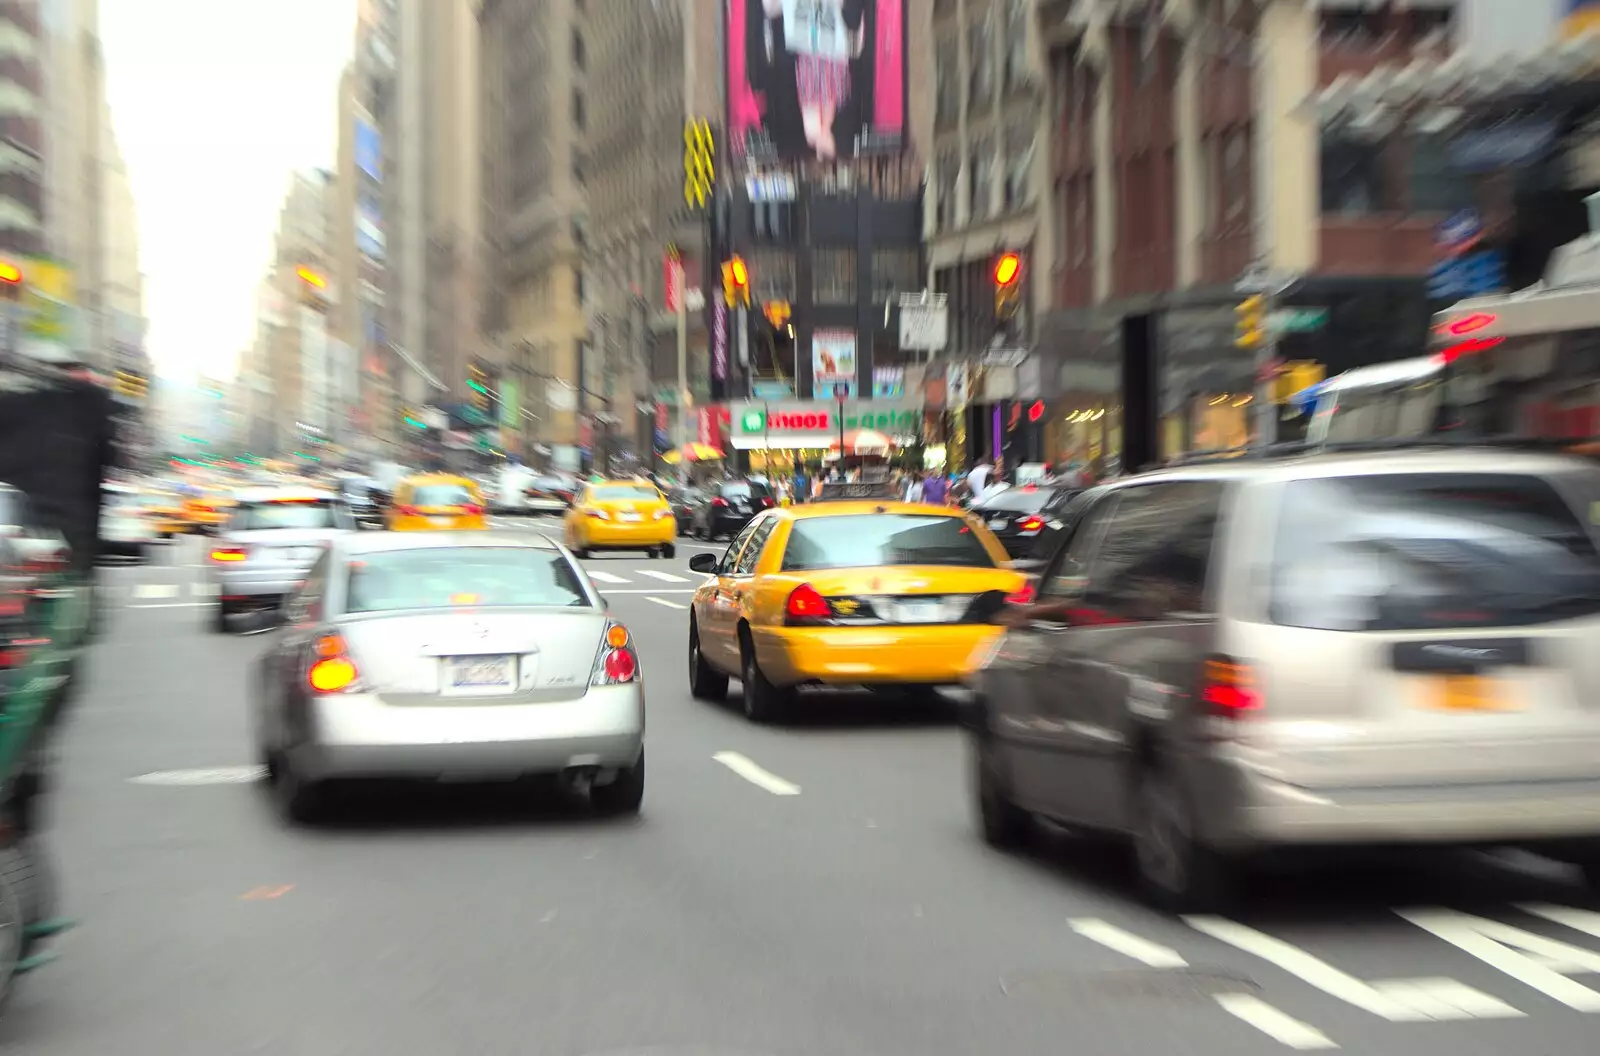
[
  {"x": 579, "y": 116},
  {"x": 1235, "y": 177},
  {"x": 833, "y": 276},
  {"x": 577, "y": 286},
  {"x": 980, "y": 59},
  {"x": 1019, "y": 166},
  {"x": 895, "y": 271},
  {"x": 1353, "y": 180},
  {"x": 578, "y": 52},
  {"x": 1016, "y": 43},
  {"x": 947, "y": 80},
  {"x": 947, "y": 178},
  {"x": 981, "y": 164}
]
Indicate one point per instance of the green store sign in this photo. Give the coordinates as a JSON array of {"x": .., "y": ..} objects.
[{"x": 821, "y": 417}]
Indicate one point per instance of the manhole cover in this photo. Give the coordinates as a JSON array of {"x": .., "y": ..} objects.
[
  {"x": 217, "y": 775},
  {"x": 1135, "y": 984}
]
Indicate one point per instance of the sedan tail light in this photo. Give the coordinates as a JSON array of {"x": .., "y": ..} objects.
[
  {"x": 767, "y": 502},
  {"x": 332, "y": 670},
  {"x": 1031, "y": 523},
  {"x": 599, "y": 515},
  {"x": 226, "y": 554},
  {"x": 472, "y": 510},
  {"x": 1023, "y": 595},
  {"x": 616, "y": 664},
  {"x": 719, "y": 501}
]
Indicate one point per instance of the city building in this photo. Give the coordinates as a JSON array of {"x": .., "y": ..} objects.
[
  {"x": 534, "y": 106},
  {"x": 23, "y": 49},
  {"x": 300, "y": 363},
  {"x": 988, "y": 195}
]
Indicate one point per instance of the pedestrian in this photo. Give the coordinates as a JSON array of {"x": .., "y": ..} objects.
[
  {"x": 914, "y": 488},
  {"x": 934, "y": 490}
]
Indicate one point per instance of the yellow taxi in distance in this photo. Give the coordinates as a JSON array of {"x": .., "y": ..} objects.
[
  {"x": 851, "y": 593},
  {"x": 436, "y": 502},
  {"x": 621, "y": 515},
  {"x": 207, "y": 513}
]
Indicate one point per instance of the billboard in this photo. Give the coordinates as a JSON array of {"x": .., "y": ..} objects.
[
  {"x": 815, "y": 79},
  {"x": 369, "y": 149},
  {"x": 48, "y": 314},
  {"x": 833, "y": 363}
]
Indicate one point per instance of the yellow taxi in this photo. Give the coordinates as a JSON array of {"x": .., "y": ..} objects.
[
  {"x": 881, "y": 594},
  {"x": 167, "y": 515},
  {"x": 207, "y": 513},
  {"x": 436, "y": 502},
  {"x": 621, "y": 515}
]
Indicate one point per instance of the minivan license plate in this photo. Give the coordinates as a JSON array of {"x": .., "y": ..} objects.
[
  {"x": 479, "y": 674},
  {"x": 1468, "y": 693}
]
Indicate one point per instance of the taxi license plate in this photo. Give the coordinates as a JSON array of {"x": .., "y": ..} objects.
[
  {"x": 441, "y": 522},
  {"x": 1468, "y": 693},
  {"x": 629, "y": 517},
  {"x": 478, "y": 674},
  {"x": 921, "y": 612}
]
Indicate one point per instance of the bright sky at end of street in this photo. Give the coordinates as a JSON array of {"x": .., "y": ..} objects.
[{"x": 214, "y": 105}]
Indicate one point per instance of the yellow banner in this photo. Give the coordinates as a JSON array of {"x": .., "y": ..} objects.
[{"x": 49, "y": 307}]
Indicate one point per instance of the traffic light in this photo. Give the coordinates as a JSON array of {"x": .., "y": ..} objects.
[
  {"x": 735, "y": 282},
  {"x": 777, "y": 313},
  {"x": 699, "y": 162},
  {"x": 478, "y": 382},
  {"x": 311, "y": 277},
  {"x": 1250, "y": 322},
  {"x": 1007, "y": 285}
]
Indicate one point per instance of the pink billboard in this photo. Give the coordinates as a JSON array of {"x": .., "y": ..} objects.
[{"x": 816, "y": 79}]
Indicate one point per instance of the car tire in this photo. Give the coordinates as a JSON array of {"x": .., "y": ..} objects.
[
  {"x": 219, "y": 619},
  {"x": 670, "y": 550},
  {"x": 581, "y": 553},
  {"x": 1004, "y": 825},
  {"x": 625, "y": 793},
  {"x": 763, "y": 702},
  {"x": 1177, "y": 872},
  {"x": 300, "y": 801},
  {"x": 705, "y": 682}
]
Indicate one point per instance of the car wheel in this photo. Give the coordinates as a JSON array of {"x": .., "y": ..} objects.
[
  {"x": 1177, "y": 872},
  {"x": 1004, "y": 825},
  {"x": 670, "y": 550},
  {"x": 581, "y": 553},
  {"x": 763, "y": 702},
  {"x": 300, "y": 800},
  {"x": 705, "y": 683},
  {"x": 625, "y": 793},
  {"x": 219, "y": 619}
]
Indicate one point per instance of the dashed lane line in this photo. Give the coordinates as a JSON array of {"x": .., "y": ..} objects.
[
  {"x": 665, "y": 577},
  {"x": 664, "y": 601},
  {"x": 605, "y": 577},
  {"x": 756, "y": 775},
  {"x": 1127, "y": 943},
  {"x": 1274, "y": 1023}
]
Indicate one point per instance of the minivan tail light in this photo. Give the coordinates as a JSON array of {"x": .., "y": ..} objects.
[
  {"x": 1229, "y": 689},
  {"x": 805, "y": 605}
]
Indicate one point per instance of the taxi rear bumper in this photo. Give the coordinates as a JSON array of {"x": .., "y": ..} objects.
[
  {"x": 602, "y": 534},
  {"x": 886, "y": 655}
]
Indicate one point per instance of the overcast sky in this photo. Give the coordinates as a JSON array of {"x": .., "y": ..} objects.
[{"x": 215, "y": 102}]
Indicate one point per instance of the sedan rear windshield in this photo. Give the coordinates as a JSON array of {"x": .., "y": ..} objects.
[
  {"x": 1430, "y": 551},
  {"x": 443, "y": 495},
  {"x": 262, "y": 516},
  {"x": 744, "y": 490},
  {"x": 872, "y": 540},
  {"x": 1016, "y": 500},
  {"x": 469, "y": 576}
]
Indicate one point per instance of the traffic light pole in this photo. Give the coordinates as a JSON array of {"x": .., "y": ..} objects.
[{"x": 684, "y": 400}]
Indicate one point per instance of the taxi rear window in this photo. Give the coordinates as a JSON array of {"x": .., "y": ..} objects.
[
  {"x": 471, "y": 576},
  {"x": 624, "y": 493},
  {"x": 443, "y": 495},
  {"x": 874, "y": 540}
]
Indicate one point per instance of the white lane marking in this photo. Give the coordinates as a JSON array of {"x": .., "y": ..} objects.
[
  {"x": 1277, "y": 1025},
  {"x": 1584, "y": 920},
  {"x": 666, "y": 577},
  {"x": 754, "y": 774},
  {"x": 203, "y": 590},
  {"x": 1308, "y": 969},
  {"x": 155, "y": 590},
  {"x": 606, "y": 577},
  {"x": 172, "y": 605},
  {"x": 1127, "y": 943},
  {"x": 664, "y": 601},
  {"x": 1533, "y": 960},
  {"x": 216, "y": 775},
  {"x": 657, "y": 590},
  {"x": 1446, "y": 999}
]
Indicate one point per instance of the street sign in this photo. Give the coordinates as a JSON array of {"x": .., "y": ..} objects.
[
  {"x": 1471, "y": 275},
  {"x": 924, "y": 321},
  {"x": 1297, "y": 320}
]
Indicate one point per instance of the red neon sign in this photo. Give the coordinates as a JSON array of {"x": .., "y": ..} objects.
[{"x": 1468, "y": 324}]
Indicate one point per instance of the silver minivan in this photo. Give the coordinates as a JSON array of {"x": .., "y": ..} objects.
[{"x": 1392, "y": 648}]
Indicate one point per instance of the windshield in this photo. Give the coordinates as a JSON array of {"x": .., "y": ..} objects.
[
  {"x": 478, "y": 576},
  {"x": 744, "y": 489},
  {"x": 872, "y": 540},
  {"x": 624, "y": 493},
  {"x": 444, "y": 495},
  {"x": 1016, "y": 500},
  {"x": 264, "y": 516},
  {"x": 1420, "y": 551}
]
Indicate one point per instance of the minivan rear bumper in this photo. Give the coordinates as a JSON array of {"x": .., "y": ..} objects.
[{"x": 1266, "y": 812}]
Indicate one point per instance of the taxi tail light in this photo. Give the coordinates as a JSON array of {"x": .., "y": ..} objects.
[
  {"x": 616, "y": 663},
  {"x": 662, "y": 515},
  {"x": 1023, "y": 595},
  {"x": 332, "y": 669},
  {"x": 472, "y": 509},
  {"x": 226, "y": 554},
  {"x": 1228, "y": 689},
  {"x": 407, "y": 511},
  {"x": 599, "y": 515},
  {"x": 1031, "y": 523},
  {"x": 805, "y": 605}
]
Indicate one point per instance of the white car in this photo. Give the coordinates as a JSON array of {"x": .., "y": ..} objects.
[{"x": 126, "y": 530}]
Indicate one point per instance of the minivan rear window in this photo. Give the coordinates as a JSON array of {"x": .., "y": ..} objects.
[
  {"x": 1430, "y": 551},
  {"x": 871, "y": 540}
]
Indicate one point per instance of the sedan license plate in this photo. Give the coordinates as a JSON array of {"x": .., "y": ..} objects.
[
  {"x": 629, "y": 517},
  {"x": 997, "y": 524},
  {"x": 921, "y": 612},
  {"x": 1468, "y": 693},
  {"x": 467, "y": 675},
  {"x": 441, "y": 522}
]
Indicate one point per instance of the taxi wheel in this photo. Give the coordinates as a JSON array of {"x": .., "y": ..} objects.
[
  {"x": 669, "y": 550},
  {"x": 581, "y": 553},
  {"x": 624, "y": 795},
  {"x": 704, "y": 682},
  {"x": 763, "y": 702}
]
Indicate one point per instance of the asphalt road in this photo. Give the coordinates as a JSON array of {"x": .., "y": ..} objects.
[{"x": 820, "y": 891}]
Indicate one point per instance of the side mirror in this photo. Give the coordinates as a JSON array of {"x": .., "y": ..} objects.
[{"x": 706, "y": 563}]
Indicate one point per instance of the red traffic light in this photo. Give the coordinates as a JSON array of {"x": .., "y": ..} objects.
[
  {"x": 1036, "y": 410},
  {"x": 1007, "y": 269},
  {"x": 10, "y": 274},
  {"x": 741, "y": 275}
]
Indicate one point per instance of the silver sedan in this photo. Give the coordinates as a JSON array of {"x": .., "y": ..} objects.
[{"x": 449, "y": 656}]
